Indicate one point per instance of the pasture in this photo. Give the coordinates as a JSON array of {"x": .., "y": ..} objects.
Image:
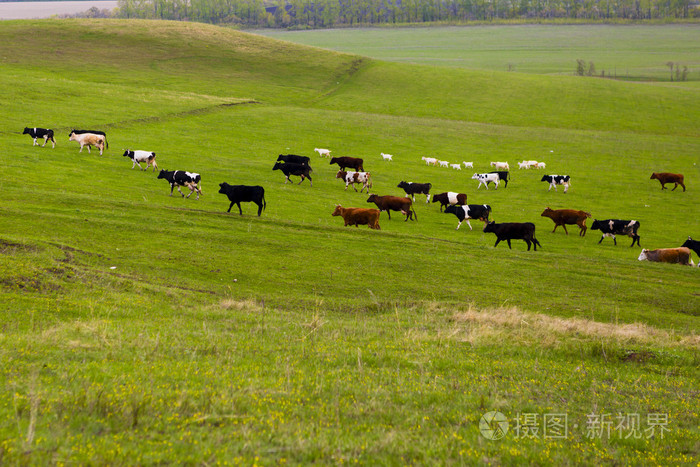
[{"x": 139, "y": 328}]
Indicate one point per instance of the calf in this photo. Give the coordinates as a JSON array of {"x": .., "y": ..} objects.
[
  {"x": 351, "y": 178},
  {"x": 352, "y": 162},
  {"x": 89, "y": 139},
  {"x": 181, "y": 178},
  {"x": 667, "y": 255},
  {"x": 568, "y": 216},
  {"x": 500, "y": 165},
  {"x": 612, "y": 227},
  {"x": 294, "y": 159},
  {"x": 394, "y": 203},
  {"x": 412, "y": 188},
  {"x": 503, "y": 176},
  {"x": 142, "y": 156},
  {"x": 387, "y": 157},
  {"x": 238, "y": 194},
  {"x": 555, "y": 180},
  {"x": 485, "y": 179},
  {"x": 45, "y": 133},
  {"x": 665, "y": 177},
  {"x": 358, "y": 216},
  {"x": 300, "y": 170},
  {"x": 470, "y": 211},
  {"x": 513, "y": 231},
  {"x": 323, "y": 152},
  {"x": 450, "y": 198}
]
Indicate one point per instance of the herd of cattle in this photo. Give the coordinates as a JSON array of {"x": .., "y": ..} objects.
[{"x": 451, "y": 202}]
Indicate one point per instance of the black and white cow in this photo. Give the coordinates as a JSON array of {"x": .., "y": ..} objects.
[
  {"x": 555, "y": 180},
  {"x": 181, "y": 178},
  {"x": 504, "y": 176},
  {"x": 412, "y": 188},
  {"x": 513, "y": 231},
  {"x": 244, "y": 193},
  {"x": 290, "y": 168},
  {"x": 470, "y": 211},
  {"x": 293, "y": 158},
  {"x": 142, "y": 156},
  {"x": 612, "y": 227},
  {"x": 45, "y": 133},
  {"x": 485, "y": 179}
]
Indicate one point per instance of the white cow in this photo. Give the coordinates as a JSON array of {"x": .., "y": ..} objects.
[
  {"x": 387, "y": 157},
  {"x": 148, "y": 157},
  {"x": 485, "y": 179},
  {"x": 500, "y": 165},
  {"x": 89, "y": 139},
  {"x": 323, "y": 152},
  {"x": 350, "y": 178}
]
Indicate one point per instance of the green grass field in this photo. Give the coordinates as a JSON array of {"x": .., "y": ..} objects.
[{"x": 139, "y": 328}]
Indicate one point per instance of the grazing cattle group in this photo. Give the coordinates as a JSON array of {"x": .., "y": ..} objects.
[{"x": 451, "y": 202}]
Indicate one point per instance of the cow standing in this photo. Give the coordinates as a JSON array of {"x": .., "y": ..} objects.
[
  {"x": 238, "y": 194},
  {"x": 181, "y": 178},
  {"x": 45, "y": 133}
]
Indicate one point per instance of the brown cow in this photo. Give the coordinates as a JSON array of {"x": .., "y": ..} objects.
[
  {"x": 667, "y": 255},
  {"x": 358, "y": 216},
  {"x": 568, "y": 216},
  {"x": 352, "y": 162},
  {"x": 450, "y": 198},
  {"x": 666, "y": 177},
  {"x": 390, "y": 203}
]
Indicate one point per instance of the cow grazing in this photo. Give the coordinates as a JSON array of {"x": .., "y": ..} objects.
[
  {"x": 503, "y": 176},
  {"x": 667, "y": 255},
  {"x": 323, "y": 152},
  {"x": 293, "y": 158},
  {"x": 513, "y": 231},
  {"x": 568, "y": 216},
  {"x": 238, "y": 194},
  {"x": 89, "y": 139},
  {"x": 358, "y": 216},
  {"x": 555, "y": 180},
  {"x": 500, "y": 165},
  {"x": 390, "y": 203},
  {"x": 468, "y": 165},
  {"x": 693, "y": 245},
  {"x": 352, "y": 162},
  {"x": 612, "y": 227},
  {"x": 300, "y": 170},
  {"x": 412, "y": 188},
  {"x": 142, "y": 156},
  {"x": 178, "y": 178},
  {"x": 387, "y": 157},
  {"x": 351, "y": 178},
  {"x": 45, "y": 133},
  {"x": 450, "y": 198},
  {"x": 470, "y": 211},
  {"x": 665, "y": 177},
  {"x": 485, "y": 179}
]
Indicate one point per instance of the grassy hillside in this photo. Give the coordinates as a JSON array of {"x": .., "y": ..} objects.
[{"x": 142, "y": 328}]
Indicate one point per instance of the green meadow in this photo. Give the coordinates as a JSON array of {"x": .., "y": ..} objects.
[{"x": 139, "y": 328}]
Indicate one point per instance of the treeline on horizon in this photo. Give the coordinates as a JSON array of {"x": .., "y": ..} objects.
[{"x": 338, "y": 13}]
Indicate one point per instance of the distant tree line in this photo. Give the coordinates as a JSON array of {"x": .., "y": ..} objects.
[{"x": 338, "y": 13}]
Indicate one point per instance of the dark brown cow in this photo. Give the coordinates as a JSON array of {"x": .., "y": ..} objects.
[
  {"x": 352, "y": 162},
  {"x": 568, "y": 216},
  {"x": 358, "y": 216},
  {"x": 666, "y": 177},
  {"x": 450, "y": 198},
  {"x": 390, "y": 203}
]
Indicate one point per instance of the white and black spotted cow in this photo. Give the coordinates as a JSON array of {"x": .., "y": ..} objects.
[
  {"x": 612, "y": 227},
  {"x": 45, "y": 133},
  {"x": 555, "y": 180},
  {"x": 181, "y": 178},
  {"x": 469, "y": 211},
  {"x": 142, "y": 156},
  {"x": 485, "y": 179}
]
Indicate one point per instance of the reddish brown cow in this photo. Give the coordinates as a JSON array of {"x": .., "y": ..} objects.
[
  {"x": 568, "y": 216},
  {"x": 666, "y": 177},
  {"x": 358, "y": 216},
  {"x": 390, "y": 203},
  {"x": 667, "y": 255}
]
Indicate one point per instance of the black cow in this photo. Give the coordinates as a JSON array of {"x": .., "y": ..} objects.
[
  {"x": 612, "y": 227},
  {"x": 555, "y": 180},
  {"x": 181, "y": 178},
  {"x": 290, "y": 168},
  {"x": 293, "y": 158},
  {"x": 243, "y": 193},
  {"x": 513, "y": 231},
  {"x": 412, "y": 188},
  {"x": 45, "y": 133},
  {"x": 94, "y": 132},
  {"x": 503, "y": 175},
  {"x": 693, "y": 245},
  {"x": 469, "y": 211}
]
